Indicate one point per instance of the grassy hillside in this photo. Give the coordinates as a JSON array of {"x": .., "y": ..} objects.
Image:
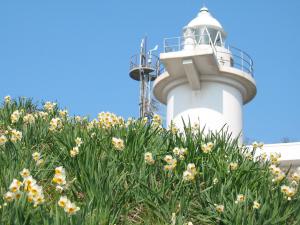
[{"x": 56, "y": 169}]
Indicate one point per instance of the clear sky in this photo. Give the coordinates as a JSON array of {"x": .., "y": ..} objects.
[{"x": 77, "y": 53}]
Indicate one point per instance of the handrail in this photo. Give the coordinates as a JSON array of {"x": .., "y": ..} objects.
[
  {"x": 152, "y": 62},
  {"x": 238, "y": 58}
]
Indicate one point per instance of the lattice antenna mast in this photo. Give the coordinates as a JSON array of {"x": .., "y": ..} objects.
[
  {"x": 145, "y": 67},
  {"x": 144, "y": 77}
]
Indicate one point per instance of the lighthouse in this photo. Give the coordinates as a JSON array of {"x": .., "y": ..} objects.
[{"x": 206, "y": 81}]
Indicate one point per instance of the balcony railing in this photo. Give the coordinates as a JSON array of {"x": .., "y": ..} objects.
[
  {"x": 235, "y": 57},
  {"x": 151, "y": 62}
]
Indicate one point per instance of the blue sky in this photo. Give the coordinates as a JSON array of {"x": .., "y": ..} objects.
[{"x": 77, "y": 53}]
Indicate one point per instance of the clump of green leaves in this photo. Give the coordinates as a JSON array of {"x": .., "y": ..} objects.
[{"x": 119, "y": 175}]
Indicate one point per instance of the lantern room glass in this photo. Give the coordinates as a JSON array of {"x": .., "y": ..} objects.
[{"x": 202, "y": 35}]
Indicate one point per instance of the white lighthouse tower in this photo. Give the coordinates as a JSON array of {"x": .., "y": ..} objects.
[{"x": 205, "y": 81}]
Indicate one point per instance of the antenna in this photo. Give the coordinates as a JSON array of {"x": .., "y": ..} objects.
[
  {"x": 145, "y": 67},
  {"x": 150, "y": 53}
]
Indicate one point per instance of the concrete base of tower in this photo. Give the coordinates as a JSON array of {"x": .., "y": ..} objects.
[
  {"x": 213, "y": 107},
  {"x": 197, "y": 88}
]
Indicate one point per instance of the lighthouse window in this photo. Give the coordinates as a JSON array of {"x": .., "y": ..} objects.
[
  {"x": 206, "y": 36},
  {"x": 213, "y": 34},
  {"x": 219, "y": 39},
  {"x": 202, "y": 36}
]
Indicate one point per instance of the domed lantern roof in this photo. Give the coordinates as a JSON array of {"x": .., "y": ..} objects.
[
  {"x": 203, "y": 30},
  {"x": 204, "y": 18}
]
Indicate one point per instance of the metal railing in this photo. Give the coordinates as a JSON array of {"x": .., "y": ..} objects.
[
  {"x": 173, "y": 44},
  {"x": 236, "y": 57},
  {"x": 146, "y": 61}
]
